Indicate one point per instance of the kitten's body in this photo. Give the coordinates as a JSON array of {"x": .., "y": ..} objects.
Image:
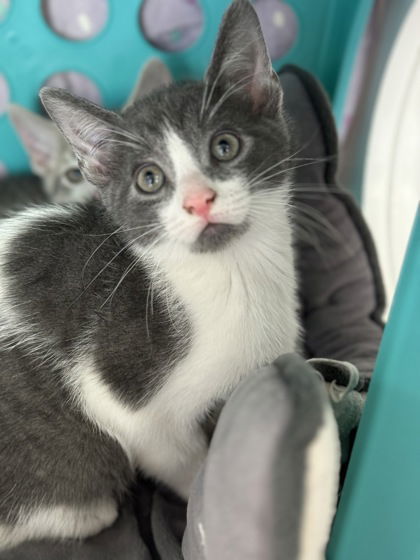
[
  {"x": 123, "y": 323},
  {"x": 145, "y": 384}
]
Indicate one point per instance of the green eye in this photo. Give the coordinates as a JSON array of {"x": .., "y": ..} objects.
[
  {"x": 225, "y": 146},
  {"x": 73, "y": 175},
  {"x": 150, "y": 178}
]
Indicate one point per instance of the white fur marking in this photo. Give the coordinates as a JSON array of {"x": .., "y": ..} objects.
[
  {"x": 230, "y": 207},
  {"x": 202, "y": 535},
  {"x": 320, "y": 490},
  {"x": 58, "y": 522}
]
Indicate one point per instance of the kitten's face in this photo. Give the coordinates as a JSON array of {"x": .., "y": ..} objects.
[
  {"x": 193, "y": 180},
  {"x": 195, "y": 165}
]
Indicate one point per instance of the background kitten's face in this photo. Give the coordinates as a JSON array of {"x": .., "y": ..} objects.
[
  {"x": 51, "y": 157},
  {"x": 65, "y": 183},
  {"x": 196, "y": 164}
]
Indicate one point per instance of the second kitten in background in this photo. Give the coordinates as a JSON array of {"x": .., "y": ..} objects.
[{"x": 51, "y": 157}]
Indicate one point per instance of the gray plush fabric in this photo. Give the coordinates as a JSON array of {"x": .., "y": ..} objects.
[
  {"x": 341, "y": 287},
  {"x": 247, "y": 504},
  {"x": 342, "y": 300}
]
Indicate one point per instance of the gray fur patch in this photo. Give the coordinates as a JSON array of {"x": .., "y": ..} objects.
[{"x": 50, "y": 453}]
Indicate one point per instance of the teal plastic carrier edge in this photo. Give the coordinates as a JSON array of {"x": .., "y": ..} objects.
[{"x": 378, "y": 515}]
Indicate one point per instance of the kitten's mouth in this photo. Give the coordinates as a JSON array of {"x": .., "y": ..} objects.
[
  {"x": 213, "y": 228},
  {"x": 216, "y": 236}
]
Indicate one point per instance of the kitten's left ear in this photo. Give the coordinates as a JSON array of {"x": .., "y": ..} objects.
[
  {"x": 95, "y": 134},
  {"x": 241, "y": 64},
  {"x": 154, "y": 75}
]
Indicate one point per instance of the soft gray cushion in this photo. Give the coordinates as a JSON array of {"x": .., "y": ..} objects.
[
  {"x": 340, "y": 282},
  {"x": 249, "y": 499}
]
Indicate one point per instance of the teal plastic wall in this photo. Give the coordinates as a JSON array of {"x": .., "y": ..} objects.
[
  {"x": 30, "y": 52},
  {"x": 378, "y": 516}
]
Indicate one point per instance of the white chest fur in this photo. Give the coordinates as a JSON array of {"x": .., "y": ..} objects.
[{"x": 242, "y": 308}]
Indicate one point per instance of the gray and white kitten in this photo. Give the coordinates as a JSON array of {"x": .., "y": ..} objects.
[
  {"x": 51, "y": 157},
  {"x": 125, "y": 320}
]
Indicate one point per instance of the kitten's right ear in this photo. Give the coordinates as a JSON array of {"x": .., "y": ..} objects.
[
  {"x": 39, "y": 136},
  {"x": 154, "y": 75},
  {"x": 94, "y": 133},
  {"x": 240, "y": 65}
]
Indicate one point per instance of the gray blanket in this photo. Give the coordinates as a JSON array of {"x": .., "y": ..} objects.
[{"x": 242, "y": 508}]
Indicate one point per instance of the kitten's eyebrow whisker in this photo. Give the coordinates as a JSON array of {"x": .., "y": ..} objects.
[
  {"x": 226, "y": 65},
  {"x": 123, "y": 133},
  {"x": 213, "y": 87},
  {"x": 116, "y": 141},
  {"x": 234, "y": 88},
  {"x": 113, "y": 135},
  {"x": 206, "y": 98}
]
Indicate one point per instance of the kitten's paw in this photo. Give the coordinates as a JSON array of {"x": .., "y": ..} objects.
[{"x": 59, "y": 522}]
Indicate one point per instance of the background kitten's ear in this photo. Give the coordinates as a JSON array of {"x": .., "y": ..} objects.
[
  {"x": 154, "y": 75},
  {"x": 241, "y": 63},
  {"x": 39, "y": 136},
  {"x": 93, "y": 133}
]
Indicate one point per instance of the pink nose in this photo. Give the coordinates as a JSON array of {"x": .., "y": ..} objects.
[{"x": 199, "y": 202}]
